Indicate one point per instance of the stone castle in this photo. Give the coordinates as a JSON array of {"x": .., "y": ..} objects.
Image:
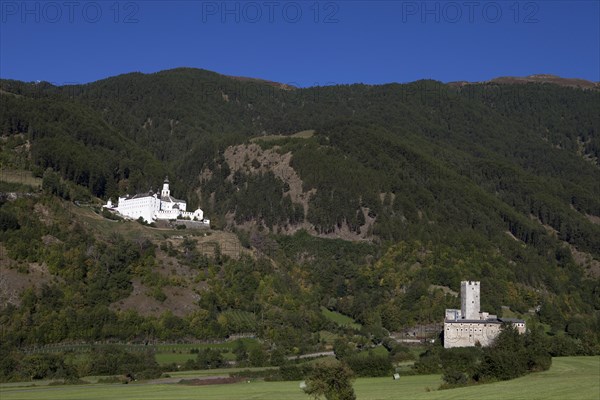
[{"x": 469, "y": 325}]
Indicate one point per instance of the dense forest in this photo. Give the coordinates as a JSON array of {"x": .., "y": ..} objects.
[
  {"x": 480, "y": 158},
  {"x": 398, "y": 193}
]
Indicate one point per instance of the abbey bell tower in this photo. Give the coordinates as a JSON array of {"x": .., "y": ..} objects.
[{"x": 165, "y": 190}]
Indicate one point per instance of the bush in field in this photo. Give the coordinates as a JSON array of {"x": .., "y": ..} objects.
[
  {"x": 513, "y": 355},
  {"x": 258, "y": 357},
  {"x": 46, "y": 366},
  {"x": 429, "y": 361},
  {"x": 113, "y": 360},
  {"x": 294, "y": 372},
  {"x": 460, "y": 364},
  {"x": 209, "y": 359},
  {"x": 341, "y": 348},
  {"x": 398, "y": 352},
  {"x": 332, "y": 381},
  {"x": 15, "y": 366},
  {"x": 370, "y": 365}
]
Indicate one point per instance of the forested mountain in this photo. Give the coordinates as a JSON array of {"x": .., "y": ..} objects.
[
  {"x": 491, "y": 155},
  {"x": 427, "y": 184}
]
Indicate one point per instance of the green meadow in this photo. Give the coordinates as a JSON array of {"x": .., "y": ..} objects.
[
  {"x": 180, "y": 353},
  {"x": 165, "y": 353},
  {"x": 21, "y": 177},
  {"x": 340, "y": 319},
  {"x": 568, "y": 378}
]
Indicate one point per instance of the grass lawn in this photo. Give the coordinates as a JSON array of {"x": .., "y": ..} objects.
[
  {"x": 212, "y": 372},
  {"x": 180, "y": 353},
  {"x": 165, "y": 353},
  {"x": 340, "y": 319},
  {"x": 178, "y": 358},
  {"x": 328, "y": 337},
  {"x": 181, "y": 358},
  {"x": 376, "y": 351},
  {"x": 163, "y": 348},
  {"x": 569, "y": 378}
]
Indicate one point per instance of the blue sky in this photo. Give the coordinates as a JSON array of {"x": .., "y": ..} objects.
[{"x": 301, "y": 42}]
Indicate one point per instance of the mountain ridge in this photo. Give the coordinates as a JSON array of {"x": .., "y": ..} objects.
[
  {"x": 536, "y": 78},
  {"x": 533, "y": 78}
]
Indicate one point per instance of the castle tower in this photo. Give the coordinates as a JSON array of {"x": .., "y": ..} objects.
[
  {"x": 469, "y": 297},
  {"x": 165, "y": 190}
]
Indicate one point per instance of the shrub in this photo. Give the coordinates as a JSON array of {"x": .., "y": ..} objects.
[
  {"x": 112, "y": 360},
  {"x": 371, "y": 365},
  {"x": 429, "y": 362},
  {"x": 332, "y": 381}
]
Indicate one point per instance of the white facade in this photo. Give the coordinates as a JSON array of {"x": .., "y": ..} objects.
[
  {"x": 469, "y": 325},
  {"x": 151, "y": 207}
]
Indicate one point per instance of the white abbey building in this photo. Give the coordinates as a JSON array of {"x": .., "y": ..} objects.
[
  {"x": 151, "y": 207},
  {"x": 469, "y": 326}
]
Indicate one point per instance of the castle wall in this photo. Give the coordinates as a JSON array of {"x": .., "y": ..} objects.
[{"x": 466, "y": 334}]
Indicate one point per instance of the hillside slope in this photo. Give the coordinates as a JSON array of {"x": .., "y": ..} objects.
[{"x": 426, "y": 184}]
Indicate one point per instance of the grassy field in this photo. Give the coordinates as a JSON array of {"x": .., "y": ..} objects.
[
  {"x": 377, "y": 351},
  {"x": 369, "y": 388},
  {"x": 213, "y": 372},
  {"x": 165, "y": 353},
  {"x": 298, "y": 135},
  {"x": 178, "y": 358},
  {"x": 569, "y": 378},
  {"x": 328, "y": 337},
  {"x": 340, "y": 319},
  {"x": 20, "y": 176}
]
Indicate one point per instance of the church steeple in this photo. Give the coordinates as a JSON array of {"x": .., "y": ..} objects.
[{"x": 165, "y": 190}]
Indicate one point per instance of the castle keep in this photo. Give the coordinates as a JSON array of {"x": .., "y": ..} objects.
[{"x": 469, "y": 325}]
